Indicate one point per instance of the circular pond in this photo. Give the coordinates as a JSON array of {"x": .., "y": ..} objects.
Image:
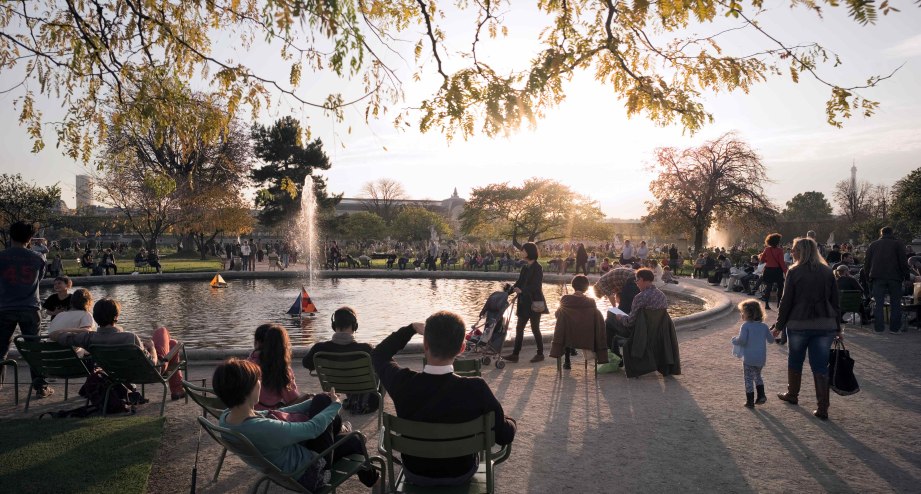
[{"x": 205, "y": 317}]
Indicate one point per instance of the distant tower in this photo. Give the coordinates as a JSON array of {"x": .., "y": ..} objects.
[
  {"x": 854, "y": 175},
  {"x": 84, "y": 192}
]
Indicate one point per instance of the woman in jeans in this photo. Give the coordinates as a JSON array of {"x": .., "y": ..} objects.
[
  {"x": 810, "y": 313},
  {"x": 529, "y": 288}
]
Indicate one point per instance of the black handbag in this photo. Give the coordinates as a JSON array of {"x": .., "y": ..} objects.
[{"x": 841, "y": 370}]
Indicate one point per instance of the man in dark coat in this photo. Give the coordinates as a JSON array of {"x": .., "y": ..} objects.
[{"x": 886, "y": 264}]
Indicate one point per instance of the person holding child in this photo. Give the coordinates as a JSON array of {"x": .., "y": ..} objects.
[
  {"x": 272, "y": 354},
  {"x": 753, "y": 338}
]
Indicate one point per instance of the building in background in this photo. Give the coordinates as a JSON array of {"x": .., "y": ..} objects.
[{"x": 85, "y": 193}]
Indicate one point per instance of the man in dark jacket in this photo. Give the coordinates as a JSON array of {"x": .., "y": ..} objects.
[
  {"x": 887, "y": 267},
  {"x": 437, "y": 395}
]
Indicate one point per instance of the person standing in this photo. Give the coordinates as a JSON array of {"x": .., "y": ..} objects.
[
  {"x": 674, "y": 259},
  {"x": 886, "y": 264},
  {"x": 811, "y": 315},
  {"x": 582, "y": 259},
  {"x": 531, "y": 302},
  {"x": 245, "y": 251},
  {"x": 254, "y": 251},
  {"x": 21, "y": 270},
  {"x": 627, "y": 255},
  {"x": 774, "y": 268}
]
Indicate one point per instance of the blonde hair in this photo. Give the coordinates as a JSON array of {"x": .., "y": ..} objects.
[
  {"x": 751, "y": 310},
  {"x": 806, "y": 253}
]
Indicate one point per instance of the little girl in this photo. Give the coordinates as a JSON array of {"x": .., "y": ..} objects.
[
  {"x": 273, "y": 356},
  {"x": 753, "y": 338}
]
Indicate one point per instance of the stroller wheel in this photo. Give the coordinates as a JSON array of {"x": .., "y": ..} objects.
[
  {"x": 485, "y": 360},
  {"x": 500, "y": 364}
]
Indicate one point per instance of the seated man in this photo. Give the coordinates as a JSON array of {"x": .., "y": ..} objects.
[
  {"x": 345, "y": 323},
  {"x": 153, "y": 259},
  {"x": 438, "y": 395},
  {"x": 649, "y": 297}
]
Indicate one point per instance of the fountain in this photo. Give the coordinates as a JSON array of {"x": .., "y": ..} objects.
[{"x": 305, "y": 228}]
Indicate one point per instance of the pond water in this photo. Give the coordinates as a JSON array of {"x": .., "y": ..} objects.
[{"x": 205, "y": 317}]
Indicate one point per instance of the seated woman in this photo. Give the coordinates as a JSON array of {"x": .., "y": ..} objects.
[
  {"x": 273, "y": 356},
  {"x": 605, "y": 265},
  {"x": 108, "y": 261},
  {"x": 345, "y": 323},
  {"x": 290, "y": 437},
  {"x": 77, "y": 316}
]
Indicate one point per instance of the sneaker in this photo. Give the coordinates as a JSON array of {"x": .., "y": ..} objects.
[
  {"x": 512, "y": 357},
  {"x": 44, "y": 392},
  {"x": 537, "y": 358}
]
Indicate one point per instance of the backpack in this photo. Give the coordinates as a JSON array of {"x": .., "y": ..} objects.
[
  {"x": 95, "y": 391},
  {"x": 361, "y": 403}
]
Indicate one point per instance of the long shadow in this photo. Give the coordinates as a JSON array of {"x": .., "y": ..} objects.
[
  {"x": 894, "y": 475},
  {"x": 797, "y": 450}
]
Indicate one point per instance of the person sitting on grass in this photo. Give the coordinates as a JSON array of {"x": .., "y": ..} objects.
[
  {"x": 345, "y": 323},
  {"x": 289, "y": 437},
  {"x": 272, "y": 354},
  {"x": 438, "y": 395}
]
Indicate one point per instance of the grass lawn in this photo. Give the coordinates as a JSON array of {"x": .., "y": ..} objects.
[
  {"x": 170, "y": 265},
  {"x": 93, "y": 455}
]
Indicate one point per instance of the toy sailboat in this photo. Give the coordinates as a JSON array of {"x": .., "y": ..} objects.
[
  {"x": 218, "y": 282},
  {"x": 303, "y": 305}
]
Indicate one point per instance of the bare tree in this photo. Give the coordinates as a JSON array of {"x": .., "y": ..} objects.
[
  {"x": 381, "y": 197},
  {"x": 853, "y": 198},
  {"x": 720, "y": 181}
]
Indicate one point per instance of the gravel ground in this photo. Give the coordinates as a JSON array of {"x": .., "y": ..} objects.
[{"x": 651, "y": 434}]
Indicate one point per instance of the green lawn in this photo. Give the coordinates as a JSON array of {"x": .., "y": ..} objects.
[
  {"x": 93, "y": 455},
  {"x": 170, "y": 265}
]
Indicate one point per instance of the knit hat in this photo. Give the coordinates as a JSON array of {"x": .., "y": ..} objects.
[{"x": 613, "y": 281}]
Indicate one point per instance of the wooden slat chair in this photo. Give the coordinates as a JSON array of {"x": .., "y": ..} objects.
[
  {"x": 11, "y": 363},
  {"x": 430, "y": 440},
  {"x": 851, "y": 301},
  {"x": 341, "y": 470},
  {"x": 210, "y": 405},
  {"x": 464, "y": 367},
  {"x": 49, "y": 359},
  {"x": 127, "y": 364}
]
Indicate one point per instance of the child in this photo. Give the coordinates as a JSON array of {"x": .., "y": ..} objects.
[
  {"x": 273, "y": 356},
  {"x": 579, "y": 324},
  {"x": 667, "y": 275},
  {"x": 753, "y": 337}
]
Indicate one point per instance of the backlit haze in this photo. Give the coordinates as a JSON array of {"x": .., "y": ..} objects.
[{"x": 587, "y": 142}]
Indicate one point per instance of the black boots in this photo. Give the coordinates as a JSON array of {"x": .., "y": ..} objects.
[
  {"x": 762, "y": 399},
  {"x": 749, "y": 400},
  {"x": 821, "y": 396},
  {"x": 794, "y": 380}
]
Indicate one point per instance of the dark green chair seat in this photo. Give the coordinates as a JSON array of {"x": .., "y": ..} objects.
[
  {"x": 127, "y": 364},
  {"x": 431, "y": 440},
  {"x": 850, "y": 301},
  {"x": 341, "y": 470},
  {"x": 49, "y": 359}
]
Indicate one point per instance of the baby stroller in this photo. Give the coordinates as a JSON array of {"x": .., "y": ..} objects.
[{"x": 487, "y": 336}]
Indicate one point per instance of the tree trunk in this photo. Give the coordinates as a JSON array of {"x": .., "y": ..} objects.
[{"x": 699, "y": 235}]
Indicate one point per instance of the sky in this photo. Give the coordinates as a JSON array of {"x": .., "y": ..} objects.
[{"x": 588, "y": 142}]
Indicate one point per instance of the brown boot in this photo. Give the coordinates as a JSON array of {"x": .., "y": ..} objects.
[
  {"x": 794, "y": 380},
  {"x": 821, "y": 396}
]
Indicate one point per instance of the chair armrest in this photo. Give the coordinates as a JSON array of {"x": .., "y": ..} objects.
[
  {"x": 503, "y": 454},
  {"x": 300, "y": 471},
  {"x": 172, "y": 353}
]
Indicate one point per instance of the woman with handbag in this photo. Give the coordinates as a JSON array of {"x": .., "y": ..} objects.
[
  {"x": 810, "y": 313},
  {"x": 531, "y": 302},
  {"x": 774, "y": 268}
]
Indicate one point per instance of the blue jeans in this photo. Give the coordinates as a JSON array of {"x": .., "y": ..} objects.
[
  {"x": 815, "y": 341},
  {"x": 894, "y": 289}
]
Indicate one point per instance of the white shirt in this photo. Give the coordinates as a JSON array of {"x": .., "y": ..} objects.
[
  {"x": 438, "y": 369},
  {"x": 72, "y": 319},
  {"x": 244, "y": 249}
]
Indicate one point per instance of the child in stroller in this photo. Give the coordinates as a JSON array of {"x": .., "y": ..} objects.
[{"x": 487, "y": 336}]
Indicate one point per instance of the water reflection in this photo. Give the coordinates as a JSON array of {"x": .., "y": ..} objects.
[{"x": 207, "y": 317}]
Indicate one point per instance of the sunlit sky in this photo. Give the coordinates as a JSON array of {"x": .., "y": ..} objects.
[{"x": 588, "y": 142}]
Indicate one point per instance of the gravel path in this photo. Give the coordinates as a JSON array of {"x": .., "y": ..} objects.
[{"x": 654, "y": 434}]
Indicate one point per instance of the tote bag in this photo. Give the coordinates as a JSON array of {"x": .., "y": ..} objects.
[{"x": 841, "y": 370}]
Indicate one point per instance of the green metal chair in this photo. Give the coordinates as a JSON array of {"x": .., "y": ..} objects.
[
  {"x": 341, "y": 470},
  {"x": 430, "y": 440},
  {"x": 465, "y": 367},
  {"x": 210, "y": 405},
  {"x": 127, "y": 364},
  {"x": 49, "y": 359},
  {"x": 850, "y": 301},
  {"x": 11, "y": 363}
]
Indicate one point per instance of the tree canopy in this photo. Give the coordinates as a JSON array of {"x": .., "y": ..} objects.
[
  {"x": 382, "y": 197},
  {"x": 95, "y": 55},
  {"x": 287, "y": 163},
  {"x": 720, "y": 181},
  {"x": 22, "y": 201},
  {"x": 906, "y": 204},
  {"x": 808, "y": 206},
  {"x": 414, "y": 224},
  {"x": 539, "y": 210}
]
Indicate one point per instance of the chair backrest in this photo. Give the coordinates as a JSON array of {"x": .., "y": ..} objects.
[
  {"x": 465, "y": 367},
  {"x": 200, "y": 395},
  {"x": 48, "y": 358},
  {"x": 348, "y": 372},
  {"x": 126, "y": 364},
  {"x": 850, "y": 300},
  {"x": 239, "y": 445}
]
